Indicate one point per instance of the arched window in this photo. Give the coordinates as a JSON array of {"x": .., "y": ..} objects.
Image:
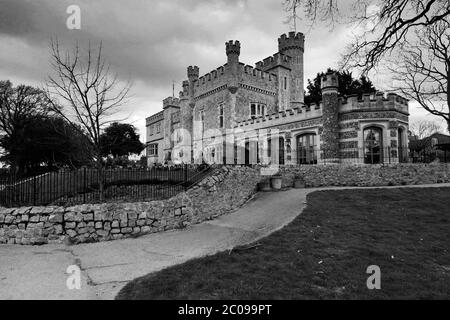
[
  {"x": 307, "y": 149},
  {"x": 373, "y": 145}
]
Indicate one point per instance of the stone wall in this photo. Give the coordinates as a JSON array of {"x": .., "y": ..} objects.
[
  {"x": 367, "y": 175},
  {"x": 225, "y": 190}
]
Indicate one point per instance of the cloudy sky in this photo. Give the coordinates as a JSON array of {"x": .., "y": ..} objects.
[{"x": 151, "y": 42}]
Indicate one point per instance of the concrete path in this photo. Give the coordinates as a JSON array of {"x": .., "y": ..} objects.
[{"x": 40, "y": 272}]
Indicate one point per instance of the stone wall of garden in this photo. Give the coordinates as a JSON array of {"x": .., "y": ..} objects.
[
  {"x": 225, "y": 190},
  {"x": 367, "y": 175}
]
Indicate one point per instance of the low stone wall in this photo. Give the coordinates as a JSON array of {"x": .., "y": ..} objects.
[
  {"x": 367, "y": 175},
  {"x": 225, "y": 190}
]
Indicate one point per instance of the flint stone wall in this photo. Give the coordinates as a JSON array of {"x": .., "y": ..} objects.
[
  {"x": 226, "y": 189},
  {"x": 366, "y": 175}
]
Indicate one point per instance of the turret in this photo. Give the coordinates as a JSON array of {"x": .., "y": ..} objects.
[
  {"x": 233, "y": 50},
  {"x": 293, "y": 45},
  {"x": 294, "y": 41},
  {"x": 330, "y": 83},
  {"x": 171, "y": 102},
  {"x": 193, "y": 72},
  {"x": 185, "y": 92},
  {"x": 330, "y": 101}
]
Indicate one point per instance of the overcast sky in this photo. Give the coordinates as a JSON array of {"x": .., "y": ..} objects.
[{"x": 151, "y": 42}]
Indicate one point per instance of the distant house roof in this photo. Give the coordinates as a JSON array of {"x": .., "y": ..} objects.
[
  {"x": 438, "y": 140},
  {"x": 442, "y": 139}
]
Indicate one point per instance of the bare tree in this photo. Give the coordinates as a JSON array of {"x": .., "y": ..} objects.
[
  {"x": 422, "y": 72},
  {"x": 385, "y": 24},
  {"x": 89, "y": 93},
  {"x": 424, "y": 128}
]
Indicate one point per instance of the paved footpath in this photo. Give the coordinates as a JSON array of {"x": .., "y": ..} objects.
[{"x": 40, "y": 272}]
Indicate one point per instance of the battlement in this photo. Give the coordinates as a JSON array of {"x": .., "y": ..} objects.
[
  {"x": 330, "y": 81},
  {"x": 155, "y": 118},
  {"x": 215, "y": 74},
  {"x": 287, "y": 116},
  {"x": 193, "y": 72},
  {"x": 278, "y": 59},
  {"x": 292, "y": 41},
  {"x": 375, "y": 102},
  {"x": 233, "y": 47},
  {"x": 258, "y": 73},
  {"x": 171, "y": 102}
]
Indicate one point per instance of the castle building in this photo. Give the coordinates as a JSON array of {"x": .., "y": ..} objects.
[{"x": 240, "y": 114}]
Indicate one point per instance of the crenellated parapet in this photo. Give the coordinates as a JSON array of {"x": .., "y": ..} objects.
[
  {"x": 258, "y": 73},
  {"x": 330, "y": 82},
  {"x": 155, "y": 118},
  {"x": 193, "y": 73},
  {"x": 375, "y": 102},
  {"x": 171, "y": 102},
  {"x": 288, "y": 116},
  {"x": 292, "y": 41},
  {"x": 215, "y": 74},
  {"x": 278, "y": 59},
  {"x": 233, "y": 47}
]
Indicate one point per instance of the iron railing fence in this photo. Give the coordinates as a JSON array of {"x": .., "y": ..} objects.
[{"x": 72, "y": 187}]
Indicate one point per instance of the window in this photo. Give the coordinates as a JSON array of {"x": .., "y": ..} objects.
[
  {"x": 221, "y": 115},
  {"x": 150, "y": 130},
  {"x": 373, "y": 145},
  {"x": 153, "y": 149},
  {"x": 202, "y": 119},
  {"x": 285, "y": 83},
  {"x": 257, "y": 109},
  {"x": 158, "y": 128},
  {"x": 307, "y": 149}
]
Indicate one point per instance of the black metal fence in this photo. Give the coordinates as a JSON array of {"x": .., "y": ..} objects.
[
  {"x": 71, "y": 187},
  {"x": 428, "y": 156}
]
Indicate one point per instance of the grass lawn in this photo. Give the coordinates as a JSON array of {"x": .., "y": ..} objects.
[{"x": 325, "y": 252}]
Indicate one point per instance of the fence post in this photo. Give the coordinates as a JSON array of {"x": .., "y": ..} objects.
[
  {"x": 85, "y": 185},
  {"x": 34, "y": 190},
  {"x": 185, "y": 176}
]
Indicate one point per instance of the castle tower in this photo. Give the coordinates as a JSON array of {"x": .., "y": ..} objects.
[
  {"x": 233, "y": 50},
  {"x": 293, "y": 45},
  {"x": 330, "y": 101},
  {"x": 193, "y": 72}
]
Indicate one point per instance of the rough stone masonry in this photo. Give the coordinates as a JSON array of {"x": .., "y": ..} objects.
[{"x": 225, "y": 190}]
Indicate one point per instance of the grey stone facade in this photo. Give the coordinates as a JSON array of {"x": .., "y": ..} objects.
[{"x": 240, "y": 114}]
